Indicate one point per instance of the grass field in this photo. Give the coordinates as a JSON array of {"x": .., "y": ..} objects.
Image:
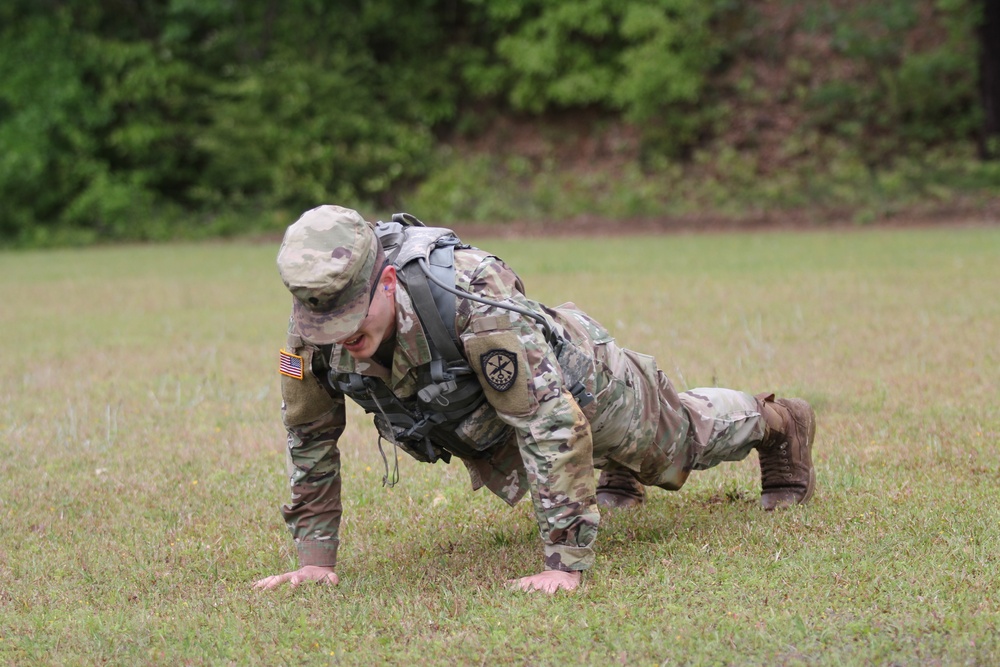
[{"x": 141, "y": 467}]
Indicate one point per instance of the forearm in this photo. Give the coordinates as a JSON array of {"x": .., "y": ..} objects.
[
  {"x": 558, "y": 454},
  {"x": 313, "y": 515}
]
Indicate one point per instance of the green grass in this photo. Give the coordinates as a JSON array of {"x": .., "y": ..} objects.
[{"x": 141, "y": 468}]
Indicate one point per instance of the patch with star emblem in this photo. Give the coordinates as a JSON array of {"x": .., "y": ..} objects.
[{"x": 499, "y": 369}]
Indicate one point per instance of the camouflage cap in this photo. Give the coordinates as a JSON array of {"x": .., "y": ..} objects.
[{"x": 330, "y": 259}]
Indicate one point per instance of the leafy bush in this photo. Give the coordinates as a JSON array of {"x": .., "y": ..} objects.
[
  {"x": 895, "y": 97},
  {"x": 128, "y": 120},
  {"x": 114, "y": 120},
  {"x": 292, "y": 133},
  {"x": 650, "y": 59}
]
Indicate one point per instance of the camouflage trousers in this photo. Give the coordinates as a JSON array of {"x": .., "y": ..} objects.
[
  {"x": 736, "y": 425},
  {"x": 702, "y": 428}
]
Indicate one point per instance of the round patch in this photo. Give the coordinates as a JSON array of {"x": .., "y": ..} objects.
[{"x": 499, "y": 368}]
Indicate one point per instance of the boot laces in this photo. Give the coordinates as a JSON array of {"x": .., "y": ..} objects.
[{"x": 776, "y": 464}]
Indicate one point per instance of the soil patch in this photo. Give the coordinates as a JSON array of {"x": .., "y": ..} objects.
[{"x": 951, "y": 215}]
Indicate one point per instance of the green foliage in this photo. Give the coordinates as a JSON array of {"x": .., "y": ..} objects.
[
  {"x": 114, "y": 123},
  {"x": 48, "y": 116},
  {"x": 328, "y": 112},
  {"x": 293, "y": 133},
  {"x": 896, "y": 97},
  {"x": 720, "y": 183},
  {"x": 651, "y": 59},
  {"x": 89, "y": 152},
  {"x": 178, "y": 117}
]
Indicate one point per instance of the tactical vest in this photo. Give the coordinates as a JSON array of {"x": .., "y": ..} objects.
[{"x": 449, "y": 414}]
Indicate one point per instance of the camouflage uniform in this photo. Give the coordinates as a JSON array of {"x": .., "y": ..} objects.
[{"x": 638, "y": 422}]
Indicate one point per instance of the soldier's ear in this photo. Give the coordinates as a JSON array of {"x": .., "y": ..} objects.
[{"x": 388, "y": 280}]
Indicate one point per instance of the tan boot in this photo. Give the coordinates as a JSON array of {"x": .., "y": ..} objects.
[
  {"x": 618, "y": 488},
  {"x": 786, "y": 470}
]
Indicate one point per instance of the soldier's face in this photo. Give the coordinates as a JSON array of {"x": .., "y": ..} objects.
[{"x": 380, "y": 323}]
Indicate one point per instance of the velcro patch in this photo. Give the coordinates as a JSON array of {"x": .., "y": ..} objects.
[
  {"x": 499, "y": 368},
  {"x": 491, "y": 323},
  {"x": 291, "y": 365}
]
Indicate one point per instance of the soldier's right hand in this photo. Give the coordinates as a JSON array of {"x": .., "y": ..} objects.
[{"x": 317, "y": 573}]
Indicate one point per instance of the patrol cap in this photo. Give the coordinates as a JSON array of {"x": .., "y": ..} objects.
[{"x": 330, "y": 260}]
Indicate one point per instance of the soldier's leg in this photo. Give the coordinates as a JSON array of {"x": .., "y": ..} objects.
[
  {"x": 707, "y": 426},
  {"x": 728, "y": 424},
  {"x": 618, "y": 488}
]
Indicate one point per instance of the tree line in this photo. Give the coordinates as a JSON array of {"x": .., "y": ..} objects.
[{"x": 125, "y": 119}]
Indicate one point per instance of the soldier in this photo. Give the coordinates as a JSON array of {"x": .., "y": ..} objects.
[{"x": 440, "y": 342}]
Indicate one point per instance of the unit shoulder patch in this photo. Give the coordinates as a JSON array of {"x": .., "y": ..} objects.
[
  {"x": 501, "y": 364},
  {"x": 499, "y": 368}
]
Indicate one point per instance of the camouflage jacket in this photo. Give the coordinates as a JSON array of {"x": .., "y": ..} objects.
[{"x": 557, "y": 445}]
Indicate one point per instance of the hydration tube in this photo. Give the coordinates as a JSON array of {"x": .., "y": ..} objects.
[{"x": 550, "y": 336}]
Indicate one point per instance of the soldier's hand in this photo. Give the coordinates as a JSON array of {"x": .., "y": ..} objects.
[
  {"x": 318, "y": 573},
  {"x": 549, "y": 581}
]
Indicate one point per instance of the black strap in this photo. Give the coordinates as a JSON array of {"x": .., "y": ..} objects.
[{"x": 433, "y": 311}]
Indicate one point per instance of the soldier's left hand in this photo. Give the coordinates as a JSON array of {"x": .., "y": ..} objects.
[{"x": 548, "y": 582}]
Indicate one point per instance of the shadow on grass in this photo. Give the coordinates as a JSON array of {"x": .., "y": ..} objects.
[{"x": 461, "y": 556}]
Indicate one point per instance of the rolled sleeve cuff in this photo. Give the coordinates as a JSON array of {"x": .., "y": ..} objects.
[
  {"x": 317, "y": 552},
  {"x": 568, "y": 559}
]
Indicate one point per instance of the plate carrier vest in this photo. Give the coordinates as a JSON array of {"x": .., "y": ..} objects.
[{"x": 429, "y": 425}]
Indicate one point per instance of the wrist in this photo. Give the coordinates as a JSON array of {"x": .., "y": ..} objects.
[{"x": 321, "y": 553}]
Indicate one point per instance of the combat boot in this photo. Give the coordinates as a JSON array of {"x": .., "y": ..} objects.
[
  {"x": 618, "y": 488},
  {"x": 787, "y": 475}
]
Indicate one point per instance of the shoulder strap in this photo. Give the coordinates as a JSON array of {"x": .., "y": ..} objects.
[
  {"x": 435, "y": 306},
  {"x": 406, "y": 242}
]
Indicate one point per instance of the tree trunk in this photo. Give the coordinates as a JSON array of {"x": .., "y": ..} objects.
[{"x": 989, "y": 78}]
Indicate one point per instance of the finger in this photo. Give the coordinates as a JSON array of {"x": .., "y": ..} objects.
[
  {"x": 295, "y": 580},
  {"x": 273, "y": 581}
]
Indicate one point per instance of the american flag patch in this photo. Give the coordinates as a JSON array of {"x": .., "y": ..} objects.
[{"x": 290, "y": 364}]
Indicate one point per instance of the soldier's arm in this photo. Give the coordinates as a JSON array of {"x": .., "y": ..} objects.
[
  {"x": 555, "y": 443},
  {"x": 554, "y": 437},
  {"x": 314, "y": 421},
  {"x": 313, "y": 514}
]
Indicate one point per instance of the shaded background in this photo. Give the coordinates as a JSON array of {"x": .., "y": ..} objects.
[{"x": 184, "y": 118}]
